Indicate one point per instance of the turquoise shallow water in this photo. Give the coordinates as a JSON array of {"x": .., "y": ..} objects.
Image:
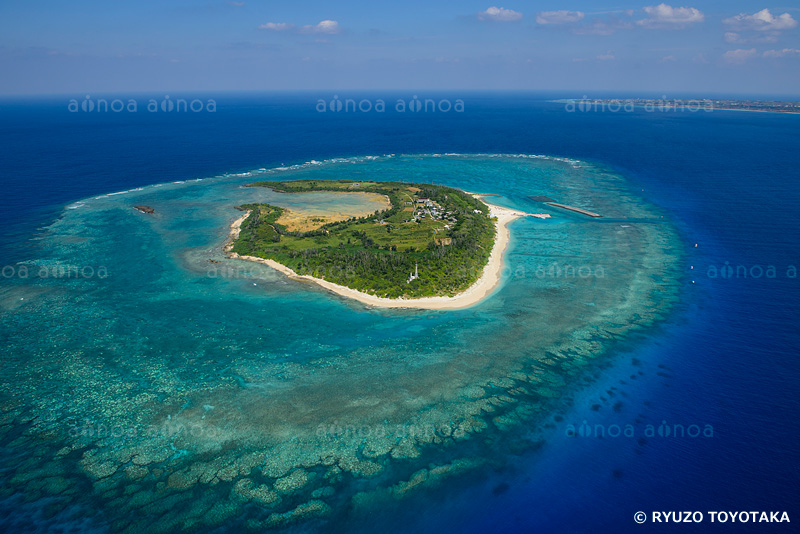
[{"x": 144, "y": 374}]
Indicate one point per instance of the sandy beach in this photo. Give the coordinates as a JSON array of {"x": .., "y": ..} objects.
[{"x": 483, "y": 287}]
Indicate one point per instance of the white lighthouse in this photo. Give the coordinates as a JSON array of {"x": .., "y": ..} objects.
[{"x": 413, "y": 276}]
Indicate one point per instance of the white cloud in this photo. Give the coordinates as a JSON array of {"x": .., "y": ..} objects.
[
  {"x": 601, "y": 27},
  {"x": 668, "y": 59},
  {"x": 276, "y": 26},
  {"x": 559, "y": 17},
  {"x": 325, "y": 26},
  {"x": 786, "y": 52},
  {"x": 737, "y": 38},
  {"x": 579, "y": 24},
  {"x": 761, "y": 21},
  {"x": 740, "y": 55},
  {"x": 608, "y": 56},
  {"x": 500, "y": 14},
  {"x": 665, "y": 17},
  {"x": 733, "y": 37}
]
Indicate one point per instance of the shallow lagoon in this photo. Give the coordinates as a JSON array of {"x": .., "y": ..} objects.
[{"x": 203, "y": 392}]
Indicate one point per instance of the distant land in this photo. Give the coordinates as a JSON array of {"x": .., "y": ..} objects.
[{"x": 677, "y": 104}]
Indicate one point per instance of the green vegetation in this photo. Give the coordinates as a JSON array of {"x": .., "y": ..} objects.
[{"x": 444, "y": 232}]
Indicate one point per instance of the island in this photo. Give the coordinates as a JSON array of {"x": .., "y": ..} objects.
[
  {"x": 429, "y": 246},
  {"x": 666, "y": 104}
]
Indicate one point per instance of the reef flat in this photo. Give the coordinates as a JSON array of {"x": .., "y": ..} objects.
[{"x": 211, "y": 392}]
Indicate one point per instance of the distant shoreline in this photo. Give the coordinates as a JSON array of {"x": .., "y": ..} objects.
[
  {"x": 693, "y": 105},
  {"x": 482, "y": 288}
]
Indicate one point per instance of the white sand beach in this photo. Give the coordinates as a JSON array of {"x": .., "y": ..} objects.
[{"x": 483, "y": 287}]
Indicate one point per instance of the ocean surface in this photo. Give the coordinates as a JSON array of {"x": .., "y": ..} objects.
[{"x": 667, "y": 383}]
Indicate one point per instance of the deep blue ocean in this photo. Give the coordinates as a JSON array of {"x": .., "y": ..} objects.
[{"x": 727, "y": 357}]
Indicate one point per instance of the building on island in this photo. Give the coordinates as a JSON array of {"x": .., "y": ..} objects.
[{"x": 413, "y": 276}]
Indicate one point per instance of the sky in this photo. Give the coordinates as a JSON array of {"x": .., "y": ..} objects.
[{"x": 691, "y": 47}]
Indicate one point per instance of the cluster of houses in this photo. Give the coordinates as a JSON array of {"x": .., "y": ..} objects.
[{"x": 431, "y": 209}]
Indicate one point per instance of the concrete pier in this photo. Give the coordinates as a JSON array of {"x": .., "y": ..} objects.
[{"x": 572, "y": 208}]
